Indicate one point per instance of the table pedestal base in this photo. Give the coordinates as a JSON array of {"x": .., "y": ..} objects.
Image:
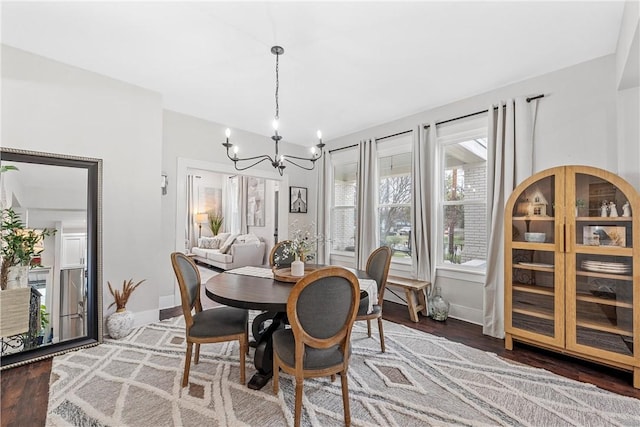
[{"x": 263, "y": 358}]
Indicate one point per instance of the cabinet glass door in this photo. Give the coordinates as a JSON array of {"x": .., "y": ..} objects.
[
  {"x": 600, "y": 303},
  {"x": 536, "y": 286}
]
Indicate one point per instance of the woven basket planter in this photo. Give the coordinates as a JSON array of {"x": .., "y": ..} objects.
[{"x": 14, "y": 311}]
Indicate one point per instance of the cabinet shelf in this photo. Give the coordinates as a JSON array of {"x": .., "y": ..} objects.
[
  {"x": 533, "y": 289},
  {"x": 604, "y": 250},
  {"x": 604, "y": 275},
  {"x": 534, "y": 313},
  {"x": 604, "y": 328},
  {"x": 603, "y": 301},
  {"x": 550, "y": 247},
  {"x": 533, "y": 267},
  {"x": 604, "y": 219},
  {"x": 534, "y": 218}
]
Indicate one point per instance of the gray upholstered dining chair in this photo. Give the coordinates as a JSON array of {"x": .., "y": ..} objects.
[
  {"x": 321, "y": 309},
  {"x": 208, "y": 326},
  {"x": 378, "y": 269},
  {"x": 283, "y": 260}
]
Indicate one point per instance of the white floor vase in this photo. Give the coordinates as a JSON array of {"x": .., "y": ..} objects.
[{"x": 119, "y": 324}]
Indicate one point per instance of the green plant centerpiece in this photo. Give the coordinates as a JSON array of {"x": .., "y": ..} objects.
[
  {"x": 215, "y": 222},
  {"x": 19, "y": 244},
  {"x": 120, "y": 323}
]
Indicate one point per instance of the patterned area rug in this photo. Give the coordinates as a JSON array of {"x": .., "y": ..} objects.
[{"x": 421, "y": 380}]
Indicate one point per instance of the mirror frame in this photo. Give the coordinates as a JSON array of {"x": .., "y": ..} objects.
[{"x": 94, "y": 254}]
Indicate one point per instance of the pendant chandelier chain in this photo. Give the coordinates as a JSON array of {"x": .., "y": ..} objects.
[{"x": 277, "y": 85}]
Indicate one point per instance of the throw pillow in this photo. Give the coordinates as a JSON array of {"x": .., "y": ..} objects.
[
  {"x": 208, "y": 243},
  {"x": 227, "y": 244},
  {"x": 223, "y": 237}
]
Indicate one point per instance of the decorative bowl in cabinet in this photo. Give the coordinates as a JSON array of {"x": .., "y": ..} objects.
[{"x": 535, "y": 237}]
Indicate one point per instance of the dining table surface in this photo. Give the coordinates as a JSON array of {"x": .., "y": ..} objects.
[{"x": 255, "y": 288}]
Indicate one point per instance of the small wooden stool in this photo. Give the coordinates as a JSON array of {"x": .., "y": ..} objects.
[{"x": 414, "y": 291}]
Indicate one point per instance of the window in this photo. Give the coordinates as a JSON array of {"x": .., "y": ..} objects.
[
  {"x": 343, "y": 212},
  {"x": 463, "y": 193},
  {"x": 394, "y": 196}
]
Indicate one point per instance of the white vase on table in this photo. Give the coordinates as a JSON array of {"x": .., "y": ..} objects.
[{"x": 297, "y": 267}]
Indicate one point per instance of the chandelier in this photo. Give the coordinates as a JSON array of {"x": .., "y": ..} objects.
[{"x": 278, "y": 160}]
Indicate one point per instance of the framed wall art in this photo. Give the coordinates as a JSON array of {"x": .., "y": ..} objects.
[{"x": 297, "y": 200}]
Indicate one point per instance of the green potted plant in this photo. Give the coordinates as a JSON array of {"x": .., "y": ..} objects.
[
  {"x": 215, "y": 222},
  {"x": 19, "y": 247}
]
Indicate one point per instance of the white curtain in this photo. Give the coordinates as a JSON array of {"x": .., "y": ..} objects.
[
  {"x": 510, "y": 160},
  {"x": 421, "y": 175},
  {"x": 242, "y": 195},
  {"x": 190, "y": 236},
  {"x": 232, "y": 206},
  {"x": 324, "y": 196},
  {"x": 367, "y": 230}
]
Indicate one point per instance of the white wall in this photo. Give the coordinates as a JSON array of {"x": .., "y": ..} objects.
[
  {"x": 52, "y": 107},
  {"x": 577, "y": 123}
]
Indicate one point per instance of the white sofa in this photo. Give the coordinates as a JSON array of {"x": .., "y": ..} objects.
[{"x": 241, "y": 251}]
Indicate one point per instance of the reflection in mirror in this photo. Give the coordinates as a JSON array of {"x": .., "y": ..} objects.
[{"x": 54, "y": 305}]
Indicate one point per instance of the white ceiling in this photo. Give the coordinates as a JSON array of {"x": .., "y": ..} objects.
[{"x": 347, "y": 65}]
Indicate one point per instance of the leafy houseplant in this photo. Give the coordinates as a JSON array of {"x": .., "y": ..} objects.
[
  {"x": 215, "y": 222},
  {"x": 18, "y": 243}
]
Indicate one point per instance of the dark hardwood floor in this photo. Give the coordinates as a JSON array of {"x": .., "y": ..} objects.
[{"x": 24, "y": 390}]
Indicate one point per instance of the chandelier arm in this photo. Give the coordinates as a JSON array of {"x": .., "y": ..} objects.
[
  {"x": 235, "y": 162},
  {"x": 309, "y": 159},
  {"x": 313, "y": 163}
]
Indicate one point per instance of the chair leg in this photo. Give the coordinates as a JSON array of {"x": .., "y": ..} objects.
[
  {"x": 333, "y": 377},
  {"x": 276, "y": 373},
  {"x": 187, "y": 365},
  {"x": 197, "y": 360},
  {"x": 298, "y": 408},
  {"x": 246, "y": 337},
  {"x": 381, "y": 331},
  {"x": 345, "y": 398},
  {"x": 243, "y": 346},
  {"x": 369, "y": 328}
]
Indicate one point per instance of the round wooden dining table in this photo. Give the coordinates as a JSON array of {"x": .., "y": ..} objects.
[{"x": 258, "y": 293}]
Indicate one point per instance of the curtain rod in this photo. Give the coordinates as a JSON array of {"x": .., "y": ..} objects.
[
  {"x": 377, "y": 139},
  {"x": 480, "y": 112},
  {"x": 529, "y": 99}
]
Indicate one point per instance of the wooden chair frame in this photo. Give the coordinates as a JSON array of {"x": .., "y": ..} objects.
[
  {"x": 381, "y": 287},
  {"x": 302, "y": 338},
  {"x": 187, "y": 309}
]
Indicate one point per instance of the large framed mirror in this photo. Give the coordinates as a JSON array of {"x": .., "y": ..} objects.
[{"x": 51, "y": 300}]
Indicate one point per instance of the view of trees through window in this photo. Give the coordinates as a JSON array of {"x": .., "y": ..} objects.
[
  {"x": 464, "y": 203},
  {"x": 394, "y": 196}
]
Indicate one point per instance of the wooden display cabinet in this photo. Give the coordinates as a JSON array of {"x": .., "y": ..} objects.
[{"x": 572, "y": 278}]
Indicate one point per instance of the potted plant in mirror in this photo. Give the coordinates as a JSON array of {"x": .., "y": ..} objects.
[
  {"x": 19, "y": 246},
  {"x": 579, "y": 205},
  {"x": 120, "y": 323},
  {"x": 215, "y": 223}
]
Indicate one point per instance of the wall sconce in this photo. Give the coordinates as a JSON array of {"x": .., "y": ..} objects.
[
  {"x": 164, "y": 182},
  {"x": 201, "y": 218}
]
